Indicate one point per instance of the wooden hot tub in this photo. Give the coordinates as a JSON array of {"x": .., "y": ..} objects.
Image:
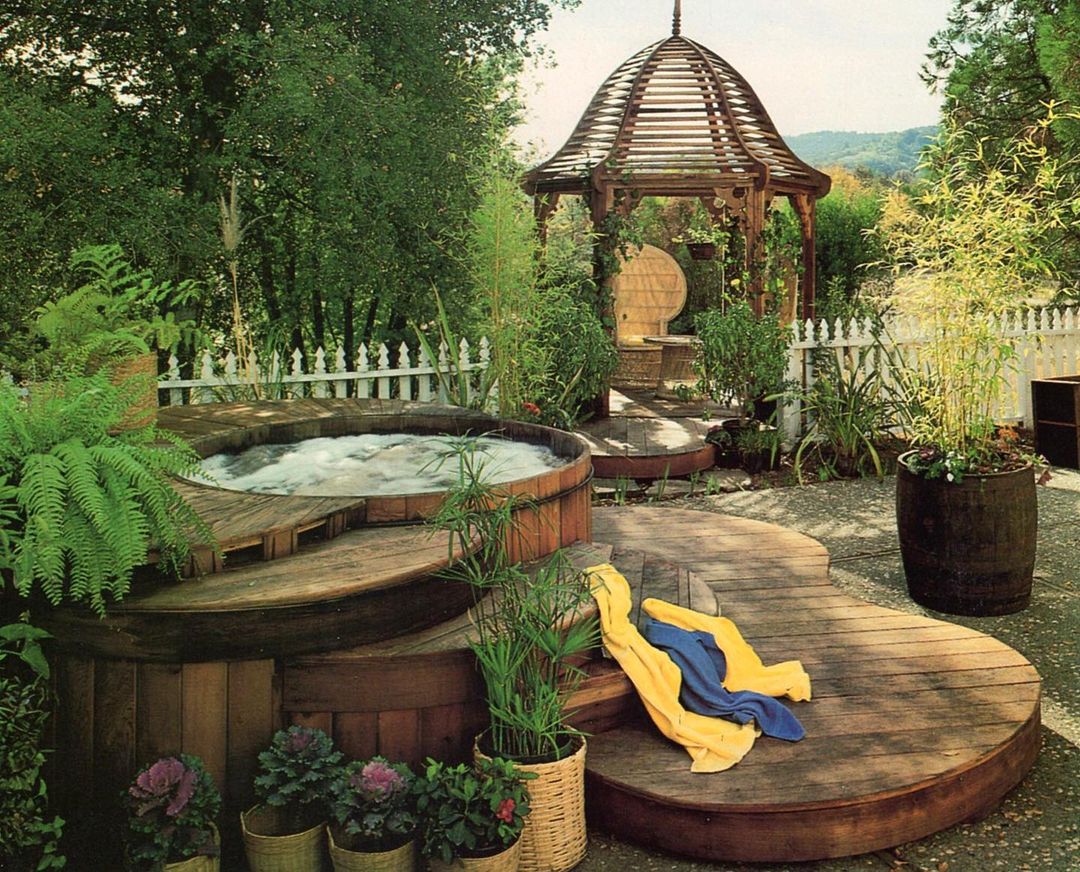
[{"x": 198, "y": 666}]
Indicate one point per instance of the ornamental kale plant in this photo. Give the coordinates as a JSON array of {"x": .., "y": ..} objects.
[
  {"x": 373, "y": 805},
  {"x": 471, "y": 811},
  {"x": 297, "y": 771},
  {"x": 172, "y": 804}
]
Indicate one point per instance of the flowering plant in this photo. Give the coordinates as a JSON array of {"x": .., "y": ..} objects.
[
  {"x": 1005, "y": 450},
  {"x": 172, "y": 804},
  {"x": 471, "y": 811},
  {"x": 373, "y": 805},
  {"x": 297, "y": 770}
]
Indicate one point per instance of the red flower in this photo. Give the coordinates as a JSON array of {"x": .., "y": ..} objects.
[
  {"x": 506, "y": 810},
  {"x": 531, "y": 408}
]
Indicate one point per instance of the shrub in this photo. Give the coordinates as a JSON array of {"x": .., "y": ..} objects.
[{"x": 373, "y": 805}]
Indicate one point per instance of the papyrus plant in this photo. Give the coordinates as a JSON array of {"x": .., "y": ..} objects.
[{"x": 968, "y": 250}]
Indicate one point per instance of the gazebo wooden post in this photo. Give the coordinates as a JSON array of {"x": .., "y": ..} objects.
[
  {"x": 543, "y": 206},
  {"x": 601, "y": 200},
  {"x": 805, "y": 207}
]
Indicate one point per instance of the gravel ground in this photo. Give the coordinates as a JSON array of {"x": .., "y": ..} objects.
[{"x": 1037, "y": 827}]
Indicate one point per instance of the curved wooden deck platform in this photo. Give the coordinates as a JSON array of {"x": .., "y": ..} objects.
[
  {"x": 647, "y": 438},
  {"x": 364, "y": 586},
  {"x": 915, "y": 724}
]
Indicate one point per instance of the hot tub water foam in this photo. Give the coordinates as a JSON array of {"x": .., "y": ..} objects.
[{"x": 370, "y": 464}]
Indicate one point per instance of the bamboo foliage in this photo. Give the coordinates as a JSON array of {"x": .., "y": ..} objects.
[{"x": 968, "y": 251}]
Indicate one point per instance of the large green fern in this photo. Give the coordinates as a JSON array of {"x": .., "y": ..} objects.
[{"x": 83, "y": 502}]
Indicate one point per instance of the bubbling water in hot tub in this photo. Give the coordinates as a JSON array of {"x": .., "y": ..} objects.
[{"x": 371, "y": 464}]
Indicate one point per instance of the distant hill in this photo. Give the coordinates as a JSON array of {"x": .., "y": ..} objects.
[{"x": 884, "y": 153}]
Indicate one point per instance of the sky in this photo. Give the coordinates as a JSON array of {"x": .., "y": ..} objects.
[{"x": 815, "y": 64}]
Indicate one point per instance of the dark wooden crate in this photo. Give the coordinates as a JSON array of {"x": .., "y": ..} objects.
[{"x": 1056, "y": 410}]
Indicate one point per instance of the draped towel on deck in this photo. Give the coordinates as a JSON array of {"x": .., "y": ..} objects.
[
  {"x": 703, "y": 667},
  {"x": 713, "y": 744}
]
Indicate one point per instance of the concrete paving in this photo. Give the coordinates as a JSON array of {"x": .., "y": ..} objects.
[{"x": 1037, "y": 827}]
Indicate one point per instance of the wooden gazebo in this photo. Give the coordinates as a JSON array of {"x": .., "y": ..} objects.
[{"x": 677, "y": 120}]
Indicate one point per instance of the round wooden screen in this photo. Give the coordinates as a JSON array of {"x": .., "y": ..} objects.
[{"x": 649, "y": 291}]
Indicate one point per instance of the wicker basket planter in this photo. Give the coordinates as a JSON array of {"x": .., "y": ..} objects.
[
  {"x": 268, "y": 852},
  {"x": 400, "y": 859},
  {"x": 505, "y": 861},
  {"x": 555, "y": 837},
  {"x": 200, "y": 863}
]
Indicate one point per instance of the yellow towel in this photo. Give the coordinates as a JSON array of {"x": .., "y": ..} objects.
[
  {"x": 713, "y": 744},
  {"x": 745, "y": 670}
]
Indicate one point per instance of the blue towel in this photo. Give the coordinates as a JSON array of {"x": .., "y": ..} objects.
[{"x": 703, "y": 669}]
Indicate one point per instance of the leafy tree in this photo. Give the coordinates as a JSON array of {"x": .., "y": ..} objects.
[
  {"x": 843, "y": 248},
  {"x": 986, "y": 62},
  {"x": 350, "y": 128}
]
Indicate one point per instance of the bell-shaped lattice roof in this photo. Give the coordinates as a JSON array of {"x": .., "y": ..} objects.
[{"x": 676, "y": 115}]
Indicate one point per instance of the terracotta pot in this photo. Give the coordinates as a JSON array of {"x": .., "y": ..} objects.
[{"x": 969, "y": 547}]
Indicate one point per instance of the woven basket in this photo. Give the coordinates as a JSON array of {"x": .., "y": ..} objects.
[
  {"x": 201, "y": 863},
  {"x": 299, "y": 852},
  {"x": 401, "y": 859},
  {"x": 506, "y": 861},
  {"x": 143, "y": 367},
  {"x": 554, "y": 838}
]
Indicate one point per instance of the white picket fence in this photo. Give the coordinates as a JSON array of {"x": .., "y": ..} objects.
[
  {"x": 1047, "y": 344},
  {"x": 407, "y": 375}
]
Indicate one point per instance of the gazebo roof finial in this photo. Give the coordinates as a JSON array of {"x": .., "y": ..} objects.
[{"x": 676, "y": 19}]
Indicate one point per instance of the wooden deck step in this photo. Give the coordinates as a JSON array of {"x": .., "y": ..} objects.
[
  {"x": 915, "y": 724},
  {"x": 349, "y": 588},
  {"x": 646, "y": 438}
]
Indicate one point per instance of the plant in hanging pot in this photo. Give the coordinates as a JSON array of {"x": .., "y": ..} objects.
[
  {"x": 172, "y": 804},
  {"x": 286, "y": 830},
  {"x": 533, "y": 629},
  {"x": 373, "y": 817},
  {"x": 472, "y": 817},
  {"x": 968, "y": 251}
]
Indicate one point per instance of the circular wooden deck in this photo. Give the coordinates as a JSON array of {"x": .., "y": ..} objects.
[
  {"x": 915, "y": 724},
  {"x": 647, "y": 438}
]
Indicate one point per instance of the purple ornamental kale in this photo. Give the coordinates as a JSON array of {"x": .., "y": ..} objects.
[{"x": 168, "y": 782}]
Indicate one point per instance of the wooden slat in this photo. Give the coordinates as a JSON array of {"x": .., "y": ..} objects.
[
  {"x": 114, "y": 746},
  {"x": 399, "y": 736},
  {"x": 205, "y": 715},
  {"x": 251, "y": 722},
  {"x": 158, "y": 715}
]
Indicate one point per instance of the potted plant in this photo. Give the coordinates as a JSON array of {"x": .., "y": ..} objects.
[
  {"x": 742, "y": 357},
  {"x": 86, "y": 501},
  {"x": 172, "y": 804},
  {"x": 758, "y": 447},
  {"x": 968, "y": 250},
  {"x": 472, "y": 817},
  {"x": 118, "y": 313},
  {"x": 293, "y": 786},
  {"x": 373, "y": 813},
  {"x": 533, "y": 629},
  {"x": 701, "y": 242}
]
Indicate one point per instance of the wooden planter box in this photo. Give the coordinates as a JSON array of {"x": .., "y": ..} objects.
[{"x": 1056, "y": 410}]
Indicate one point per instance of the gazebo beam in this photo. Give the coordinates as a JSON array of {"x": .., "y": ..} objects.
[{"x": 806, "y": 207}]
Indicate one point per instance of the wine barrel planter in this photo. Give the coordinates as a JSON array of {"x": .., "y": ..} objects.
[{"x": 969, "y": 547}]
